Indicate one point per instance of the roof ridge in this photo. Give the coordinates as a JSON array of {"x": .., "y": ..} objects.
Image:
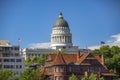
[
  {"x": 83, "y": 56},
  {"x": 59, "y": 59}
]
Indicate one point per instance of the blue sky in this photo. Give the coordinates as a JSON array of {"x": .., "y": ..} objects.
[{"x": 90, "y": 21}]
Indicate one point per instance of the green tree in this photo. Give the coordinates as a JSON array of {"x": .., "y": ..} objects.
[
  {"x": 34, "y": 59},
  {"x": 40, "y": 76},
  {"x": 27, "y": 61},
  {"x": 41, "y": 59},
  {"x": 105, "y": 50},
  {"x": 57, "y": 51},
  {"x": 6, "y": 74},
  {"x": 31, "y": 74},
  {"x": 91, "y": 77},
  {"x": 96, "y": 51},
  {"x": 73, "y": 77},
  {"x": 28, "y": 74},
  {"x": 115, "y": 50},
  {"x": 112, "y": 57}
]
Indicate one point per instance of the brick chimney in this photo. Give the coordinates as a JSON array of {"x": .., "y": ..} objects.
[
  {"x": 78, "y": 55},
  {"x": 102, "y": 59}
]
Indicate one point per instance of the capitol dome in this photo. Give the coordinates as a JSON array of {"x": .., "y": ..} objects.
[
  {"x": 61, "y": 22},
  {"x": 61, "y": 38}
]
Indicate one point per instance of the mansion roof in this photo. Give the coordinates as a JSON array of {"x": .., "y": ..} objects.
[{"x": 76, "y": 59}]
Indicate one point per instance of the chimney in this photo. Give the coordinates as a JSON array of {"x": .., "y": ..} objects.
[
  {"x": 78, "y": 55},
  {"x": 102, "y": 59}
]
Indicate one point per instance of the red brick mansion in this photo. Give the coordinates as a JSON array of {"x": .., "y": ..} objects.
[{"x": 62, "y": 66}]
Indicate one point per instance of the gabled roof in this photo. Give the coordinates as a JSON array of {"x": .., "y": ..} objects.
[
  {"x": 59, "y": 59},
  {"x": 54, "y": 59},
  {"x": 82, "y": 58},
  {"x": 62, "y": 59}
]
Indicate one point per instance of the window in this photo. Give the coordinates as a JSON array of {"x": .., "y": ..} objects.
[
  {"x": 20, "y": 66},
  {"x": 6, "y": 60},
  {"x": 59, "y": 69},
  {"x": 39, "y": 55},
  {"x": 18, "y": 60},
  {"x": 59, "y": 78},
  {"x": 16, "y": 54},
  {"x": 11, "y": 66},
  {"x": 70, "y": 69},
  {"x": 16, "y": 66},
  {"x": 6, "y": 66},
  {"x": 16, "y": 48},
  {"x": 12, "y": 60},
  {"x": 100, "y": 69},
  {"x": 91, "y": 69}
]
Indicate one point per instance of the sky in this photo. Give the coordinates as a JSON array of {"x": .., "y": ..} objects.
[{"x": 90, "y": 21}]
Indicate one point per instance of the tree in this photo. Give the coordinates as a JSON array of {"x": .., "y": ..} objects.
[
  {"x": 115, "y": 50},
  {"x": 31, "y": 74},
  {"x": 96, "y": 51},
  {"x": 40, "y": 76},
  {"x": 105, "y": 50},
  {"x": 28, "y": 74},
  {"x": 73, "y": 77},
  {"x": 91, "y": 77},
  {"x": 6, "y": 74},
  {"x": 57, "y": 51},
  {"x": 112, "y": 57},
  {"x": 27, "y": 61},
  {"x": 41, "y": 59},
  {"x": 34, "y": 59}
]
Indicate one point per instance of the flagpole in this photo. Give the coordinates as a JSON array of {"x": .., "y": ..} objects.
[{"x": 19, "y": 41}]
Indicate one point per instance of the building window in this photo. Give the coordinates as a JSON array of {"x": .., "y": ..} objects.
[
  {"x": 70, "y": 69},
  {"x": 16, "y": 66},
  {"x": 18, "y": 60},
  {"x": 12, "y": 66},
  {"x": 100, "y": 69},
  {"x": 39, "y": 55},
  {"x": 12, "y": 60},
  {"x": 6, "y": 60},
  {"x": 57, "y": 77},
  {"x": 20, "y": 66},
  {"x": 16, "y": 54},
  {"x": 6, "y": 66},
  {"x": 60, "y": 78},
  {"x": 91, "y": 69},
  {"x": 16, "y": 48},
  {"x": 59, "y": 69}
]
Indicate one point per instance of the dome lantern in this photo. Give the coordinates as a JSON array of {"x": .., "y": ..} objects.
[{"x": 60, "y": 15}]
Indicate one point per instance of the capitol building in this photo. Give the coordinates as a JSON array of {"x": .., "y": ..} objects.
[{"x": 61, "y": 38}]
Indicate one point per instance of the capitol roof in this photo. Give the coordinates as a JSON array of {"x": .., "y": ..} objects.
[{"x": 61, "y": 22}]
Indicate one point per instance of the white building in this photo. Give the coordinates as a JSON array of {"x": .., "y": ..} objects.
[
  {"x": 10, "y": 58},
  {"x": 61, "y": 38},
  {"x": 30, "y": 52}
]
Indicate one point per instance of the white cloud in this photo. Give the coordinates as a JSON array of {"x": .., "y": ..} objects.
[
  {"x": 40, "y": 45},
  {"x": 114, "y": 41}
]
